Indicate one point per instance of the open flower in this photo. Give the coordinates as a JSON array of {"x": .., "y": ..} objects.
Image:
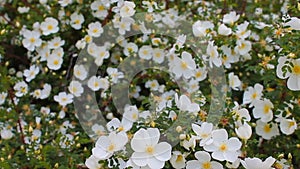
[
  {"x": 231, "y": 18},
  {"x": 288, "y": 126},
  {"x": 178, "y": 159},
  {"x": 263, "y": 110},
  {"x": 200, "y": 28},
  {"x": 252, "y": 95},
  {"x": 80, "y": 72},
  {"x": 127, "y": 9},
  {"x": 63, "y": 98},
  {"x": 256, "y": 163},
  {"x": 222, "y": 147},
  {"x": 95, "y": 29},
  {"x": 49, "y": 26},
  {"x": 75, "y": 88},
  {"x": 31, "y": 72},
  {"x": 203, "y": 162},
  {"x": 106, "y": 146},
  {"x": 266, "y": 130},
  {"x": 213, "y": 55},
  {"x": 203, "y": 133},
  {"x": 21, "y": 88},
  {"x": 185, "y": 104},
  {"x": 76, "y": 20},
  {"x": 234, "y": 81},
  {"x": 32, "y": 40},
  {"x": 184, "y": 67},
  {"x": 293, "y": 76},
  {"x": 147, "y": 150}
]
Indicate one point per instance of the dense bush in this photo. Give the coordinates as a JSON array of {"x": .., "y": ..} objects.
[{"x": 145, "y": 84}]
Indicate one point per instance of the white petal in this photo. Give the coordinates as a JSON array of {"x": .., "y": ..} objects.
[
  {"x": 155, "y": 163},
  {"x": 162, "y": 151},
  {"x": 234, "y": 144},
  {"x": 293, "y": 83},
  {"x": 202, "y": 156}
]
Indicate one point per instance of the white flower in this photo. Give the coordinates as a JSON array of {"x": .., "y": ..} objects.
[
  {"x": 158, "y": 55},
  {"x": 293, "y": 83},
  {"x": 96, "y": 83},
  {"x": 106, "y": 146},
  {"x": 256, "y": 163},
  {"x": 288, "y": 126},
  {"x": 31, "y": 72},
  {"x": 49, "y": 26},
  {"x": 224, "y": 30},
  {"x": 3, "y": 96},
  {"x": 93, "y": 163},
  {"x": 63, "y": 98},
  {"x": 185, "y": 66},
  {"x": 145, "y": 52},
  {"x": 45, "y": 93},
  {"x": 95, "y": 29},
  {"x": 55, "y": 43},
  {"x": 21, "y": 89},
  {"x": 200, "y": 28},
  {"x": 244, "y": 131},
  {"x": 127, "y": 9},
  {"x": 234, "y": 81},
  {"x": 263, "y": 110},
  {"x": 185, "y": 104},
  {"x": 131, "y": 114},
  {"x": 76, "y": 20},
  {"x": 147, "y": 150},
  {"x": 203, "y": 162},
  {"x": 203, "y": 133},
  {"x": 32, "y": 40},
  {"x": 177, "y": 160},
  {"x": 22, "y": 10},
  {"x": 252, "y": 95},
  {"x": 243, "y": 47},
  {"x": 65, "y": 3},
  {"x": 222, "y": 147},
  {"x": 114, "y": 74},
  {"x": 152, "y": 84},
  {"x": 80, "y": 72},
  {"x": 75, "y": 88},
  {"x": 130, "y": 48},
  {"x": 54, "y": 62},
  {"x": 213, "y": 54},
  {"x": 266, "y": 130},
  {"x": 98, "y": 129},
  {"x": 119, "y": 126},
  {"x": 99, "y": 8},
  {"x": 231, "y": 18},
  {"x": 200, "y": 73},
  {"x": 294, "y": 23},
  {"x": 6, "y": 134},
  {"x": 242, "y": 32},
  {"x": 124, "y": 25}
]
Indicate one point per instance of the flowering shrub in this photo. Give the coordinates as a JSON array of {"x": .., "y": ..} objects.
[{"x": 145, "y": 84}]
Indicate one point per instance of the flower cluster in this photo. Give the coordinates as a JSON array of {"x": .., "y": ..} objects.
[{"x": 198, "y": 84}]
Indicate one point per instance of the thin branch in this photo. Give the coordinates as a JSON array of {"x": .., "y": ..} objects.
[{"x": 11, "y": 96}]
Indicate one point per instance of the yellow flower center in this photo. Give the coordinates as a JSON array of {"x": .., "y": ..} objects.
[
  {"x": 223, "y": 147},
  {"x": 296, "y": 69},
  {"x": 179, "y": 158},
  {"x": 50, "y": 27},
  {"x": 267, "y": 128},
  {"x": 150, "y": 150},
  {"x": 111, "y": 147},
  {"x": 55, "y": 62},
  {"x": 254, "y": 95},
  {"x": 267, "y": 109},
  {"x": 206, "y": 165},
  {"x": 184, "y": 65},
  {"x": 101, "y": 7},
  {"x": 291, "y": 124},
  {"x": 32, "y": 40}
]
